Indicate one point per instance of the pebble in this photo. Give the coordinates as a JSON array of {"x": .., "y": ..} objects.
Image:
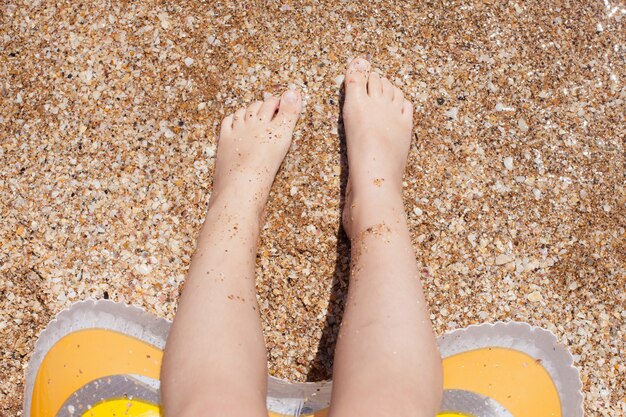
[
  {"x": 143, "y": 269},
  {"x": 188, "y": 61},
  {"x": 164, "y": 19},
  {"x": 504, "y": 259},
  {"x": 501, "y": 107},
  {"x": 453, "y": 113},
  {"x": 508, "y": 163},
  {"x": 521, "y": 123},
  {"x": 535, "y": 297}
]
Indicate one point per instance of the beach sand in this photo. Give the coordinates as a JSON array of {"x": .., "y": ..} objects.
[{"x": 514, "y": 188}]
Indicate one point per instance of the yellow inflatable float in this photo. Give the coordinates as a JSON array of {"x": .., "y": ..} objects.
[{"x": 102, "y": 359}]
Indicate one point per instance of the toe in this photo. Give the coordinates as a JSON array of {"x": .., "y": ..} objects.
[
  {"x": 253, "y": 110},
  {"x": 227, "y": 125},
  {"x": 398, "y": 95},
  {"x": 407, "y": 109},
  {"x": 289, "y": 109},
  {"x": 398, "y": 98},
  {"x": 374, "y": 85},
  {"x": 356, "y": 76},
  {"x": 387, "y": 88},
  {"x": 238, "y": 117},
  {"x": 269, "y": 107}
]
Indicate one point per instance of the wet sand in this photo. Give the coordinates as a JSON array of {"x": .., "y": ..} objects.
[{"x": 514, "y": 190}]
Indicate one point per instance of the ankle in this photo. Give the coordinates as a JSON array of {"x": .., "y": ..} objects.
[
  {"x": 362, "y": 212},
  {"x": 376, "y": 190},
  {"x": 238, "y": 204}
]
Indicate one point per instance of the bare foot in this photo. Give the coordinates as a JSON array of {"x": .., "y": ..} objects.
[
  {"x": 378, "y": 123},
  {"x": 252, "y": 144}
]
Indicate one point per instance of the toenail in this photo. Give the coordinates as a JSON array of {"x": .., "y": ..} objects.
[
  {"x": 291, "y": 96},
  {"x": 360, "y": 64}
]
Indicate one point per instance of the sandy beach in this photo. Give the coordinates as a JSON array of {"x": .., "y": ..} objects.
[{"x": 514, "y": 188}]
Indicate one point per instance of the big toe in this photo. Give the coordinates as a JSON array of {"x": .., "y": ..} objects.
[
  {"x": 357, "y": 74},
  {"x": 289, "y": 109}
]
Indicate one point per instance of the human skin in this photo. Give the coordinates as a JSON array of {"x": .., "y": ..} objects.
[
  {"x": 215, "y": 359},
  {"x": 386, "y": 359}
]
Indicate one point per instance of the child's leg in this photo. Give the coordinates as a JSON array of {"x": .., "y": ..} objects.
[
  {"x": 386, "y": 359},
  {"x": 215, "y": 360}
]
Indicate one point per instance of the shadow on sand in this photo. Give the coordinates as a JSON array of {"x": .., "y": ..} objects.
[{"x": 321, "y": 367}]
